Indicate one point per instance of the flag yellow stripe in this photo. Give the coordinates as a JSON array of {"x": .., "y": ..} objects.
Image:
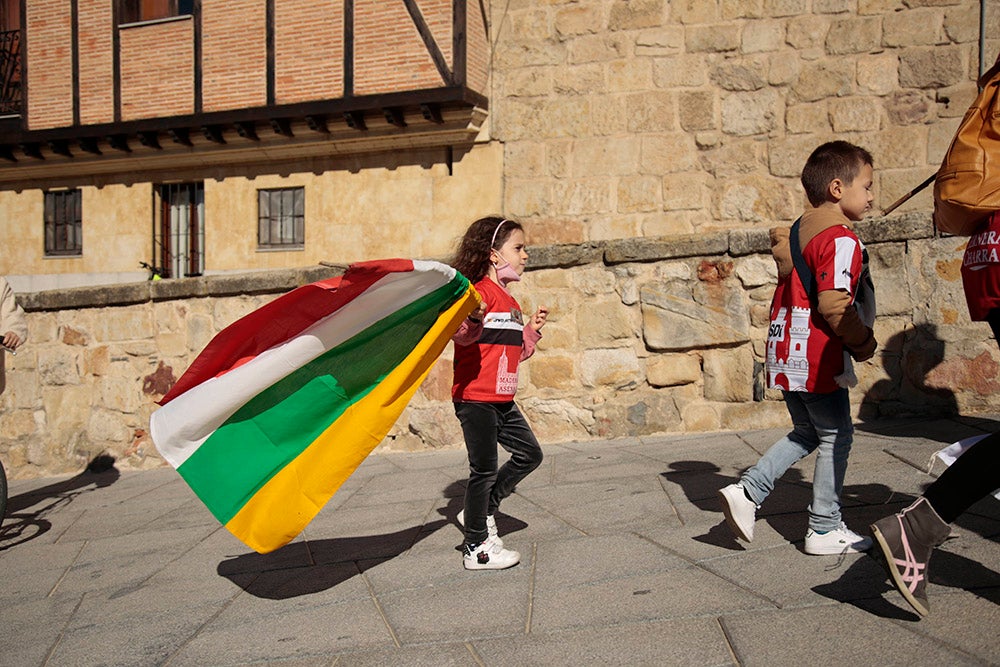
[{"x": 289, "y": 501}]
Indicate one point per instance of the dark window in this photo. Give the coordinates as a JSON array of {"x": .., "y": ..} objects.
[
  {"x": 179, "y": 232},
  {"x": 281, "y": 219},
  {"x": 133, "y": 11},
  {"x": 63, "y": 223}
]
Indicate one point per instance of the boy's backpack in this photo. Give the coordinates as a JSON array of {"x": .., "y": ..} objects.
[{"x": 967, "y": 186}]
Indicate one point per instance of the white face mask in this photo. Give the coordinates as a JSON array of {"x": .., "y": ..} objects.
[{"x": 506, "y": 274}]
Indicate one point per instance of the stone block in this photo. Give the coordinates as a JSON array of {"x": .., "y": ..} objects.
[
  {"x": 756, "y": 271},
  {"x": 855, "y": 114},
  {"x": 729, "y": 374},
  {"x": 578, "y": 80},
  {"x": 654, "y": 111},
  {"x": 672, "y": 323},
  {"x": 824, "y": 79},
  {"x": 697, "y": 110},
  {"x": 694, "y": 11},
  {"x": 742, "y": 9},
  {"x": 553, "y": 372},
  {"x": 717, "y": 38},
  {"x": 607, "y": 156},
  {"x": 778, "y": 8},
  {"x": 917, "y": 27},
  {"x": 686, "y": 191},
  {"x": 853, "y": 35},
  {"x": 808, "y": 118},
  {"x": 578, "y": 20},
  {"x": 807, "y": 32},
  {"x": 529, "y": 82},
  {"x": 931, "y": 67},
  {"x": 681, "y": 71},
  {"x": 637, "y": 14},
  {"x": 749, "y": 241},
  {"x": 581, "y": 196},
  {"x": 639, "y": 194},
  {"x": 671, "y": 370},
  {"x": 900, "y": 146},
  {"x": 524, "y": 159},
  {"x": 663, "y": 41},
  {"x": 629, "y": 75},
  {"x": 594, "y": 49},
  {"x": 878, "y": 74},
  {"x": 638, "y": 250},
  {"x": 617, "y": 368},
  {"x": 909, "y": 108},
  {"x": 742, "y": 76},
  {"x": 783, "y": 68},
  {"x": 762, "y": 37},
  {"x": 667, "y": 153},
  {"x": 746, "y": 114},
  {"x": 604, "y": 322}
]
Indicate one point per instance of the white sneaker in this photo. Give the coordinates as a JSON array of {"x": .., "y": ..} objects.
[
  {"x": 489, "y": 555},
  {"x": 740, "y": 511},
  {"x": 843, "y": 540},
  {"x": 491, "y": 525}
]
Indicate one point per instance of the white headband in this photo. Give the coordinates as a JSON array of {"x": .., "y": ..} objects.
[{"x": 494, "y": 239}]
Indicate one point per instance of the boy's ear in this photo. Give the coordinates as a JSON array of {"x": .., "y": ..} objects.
[{"x": 836, "y": 189}]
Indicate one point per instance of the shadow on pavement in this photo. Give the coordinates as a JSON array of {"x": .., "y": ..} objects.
[
  {"x": 21, "y": 526},
  {"x": 866, "y": 581},
  {"x": 307, "y": 567},
  {"x": 784, "y": 509}
]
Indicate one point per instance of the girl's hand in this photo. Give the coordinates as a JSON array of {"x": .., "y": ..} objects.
[
  {"x": 539, "y": 318},
  {"x": 479, "y": 313}
]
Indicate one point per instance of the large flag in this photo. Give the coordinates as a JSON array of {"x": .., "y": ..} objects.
[{"x": 283, "y": 405}]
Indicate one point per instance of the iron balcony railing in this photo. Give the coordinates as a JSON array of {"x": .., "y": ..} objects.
[{"x": 10, "y": 72}]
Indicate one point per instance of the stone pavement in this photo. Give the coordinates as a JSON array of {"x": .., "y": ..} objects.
[{"x": 625, "y": 560}]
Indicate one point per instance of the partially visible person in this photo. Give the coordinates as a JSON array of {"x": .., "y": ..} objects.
[
  {"x": 489, "y": 346},
  {"x": 908, "y": 538},
  {"x": 809, "y": 334},
  {"x": 13, "y": 326}
]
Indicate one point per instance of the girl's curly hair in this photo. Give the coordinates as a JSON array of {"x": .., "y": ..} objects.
[{"x": 472, "y": 258}]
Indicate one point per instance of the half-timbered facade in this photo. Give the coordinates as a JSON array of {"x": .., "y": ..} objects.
[{"x": 200, "y": 136}]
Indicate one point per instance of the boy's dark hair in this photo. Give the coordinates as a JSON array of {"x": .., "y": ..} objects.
[
  {"x": 472, "y": 258},
  {"x": 835, "y": 159}
]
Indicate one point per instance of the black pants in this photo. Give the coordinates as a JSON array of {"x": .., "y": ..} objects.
[
  {"x": 975, "y": 474},
  {"x": 484, "y": 425}
]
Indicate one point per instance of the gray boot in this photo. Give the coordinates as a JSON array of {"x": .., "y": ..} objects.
[{"x": 907, "y": 540}]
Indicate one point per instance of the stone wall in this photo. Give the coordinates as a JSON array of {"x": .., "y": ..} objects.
[
  {"x": 630, "y": 118},
  {"x": 645, "y": 336}
]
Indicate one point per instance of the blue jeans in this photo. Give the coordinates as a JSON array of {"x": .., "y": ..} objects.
[
  {"x": 819, "y": 421},
  {"x": 484, "y": 425}
]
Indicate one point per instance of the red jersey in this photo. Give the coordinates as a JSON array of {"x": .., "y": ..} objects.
[
  {"x": 803, "y": 353},
  {"x": 981, "y": 270},
  {"x": 486, "y": 368}
]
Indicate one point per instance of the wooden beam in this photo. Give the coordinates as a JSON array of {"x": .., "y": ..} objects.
[
  {"x": 150, "y": 140},
  {"x": 317, "y": 123},
  {"x": 355, "y": 120},
  {"x": 89, "y": 145},
  {"x": 282, "y": 126},
  {"x": 180, "y": 135},
  {"x": 394, "y": 116},
  {"x": 119, "y": 142},
  {"x": 247, "y": 130},
  {"x": 213, "y": 133},
  {"x": 60, "y": 148}
]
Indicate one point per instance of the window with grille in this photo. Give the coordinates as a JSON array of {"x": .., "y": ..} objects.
[
  {"x": 63, "y": 223},
  {"x": 135, "y": 11},
  {"x": 281, "y": 219}
]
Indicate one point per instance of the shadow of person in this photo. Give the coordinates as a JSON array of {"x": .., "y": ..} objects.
[
  {"x": 908, "y": 358},
  {"x": 455, "y": 493},
  {"x": 21, "y": 526},
  {"x": 785, "y": 510},
  {"x": 304, "y": 568},
  {"x": 865, "y": 583}
]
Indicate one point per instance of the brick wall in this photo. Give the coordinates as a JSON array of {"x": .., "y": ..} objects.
[
  {"x": 50, "y": 86},
  {"x": 309, "y": 50},
  {"x": 95, "y": 27},
  {"x": 477, "y": 47},
  {"x": 234, "y": 55},
  {"x": 157, "y": 65},
  {"x": 389, "y": 53}
]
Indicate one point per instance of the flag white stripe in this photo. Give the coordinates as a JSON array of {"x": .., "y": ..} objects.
[{"x": 182, "y": 425}]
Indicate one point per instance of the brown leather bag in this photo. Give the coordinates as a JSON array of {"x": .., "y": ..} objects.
[{"x": 967, "y": 186}]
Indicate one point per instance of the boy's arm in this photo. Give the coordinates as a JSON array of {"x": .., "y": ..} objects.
[{"x": 836, "y": 308}]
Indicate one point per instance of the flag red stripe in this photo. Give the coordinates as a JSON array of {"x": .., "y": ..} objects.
[{"x": 280, "y": 320}]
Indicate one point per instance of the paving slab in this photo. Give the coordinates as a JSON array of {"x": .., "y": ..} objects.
[{"x": 626, "y": 560}]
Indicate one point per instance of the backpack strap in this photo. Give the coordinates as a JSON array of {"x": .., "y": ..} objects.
[{"x": 801, "y": 268}]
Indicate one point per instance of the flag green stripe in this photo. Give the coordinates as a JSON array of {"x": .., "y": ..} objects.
[{"x": 285, "y": 418}]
